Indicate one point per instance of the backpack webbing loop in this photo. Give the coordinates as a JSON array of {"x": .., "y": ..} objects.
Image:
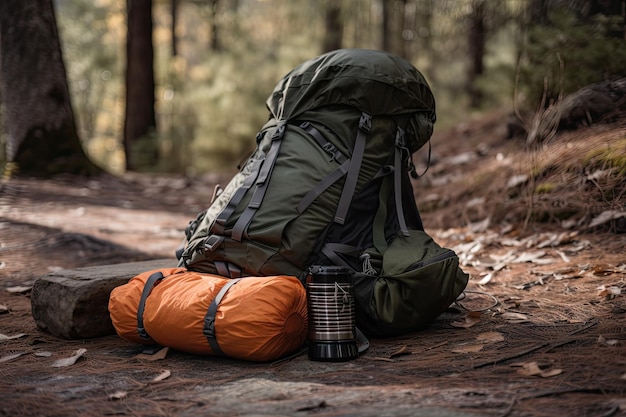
[
  {"x": 241, "y": 226},
  {"x": 349, "y": 187},
  {"x": 208, "y": 330},
  {"x": 328, "y": 147},
  {"x": 228, "y": 270}
]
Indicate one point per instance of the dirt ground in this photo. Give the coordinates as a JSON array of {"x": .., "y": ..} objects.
[{"x": 541, "y": 332}]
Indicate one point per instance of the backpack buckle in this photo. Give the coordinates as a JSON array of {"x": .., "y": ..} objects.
[
  {"x": 331, "y": 150},
  {"x": 279, "y": 132},
  {"x": 365, "y": 122},
  {"x": 400, "y": 143},
  {"x": 212, "y": 242}
]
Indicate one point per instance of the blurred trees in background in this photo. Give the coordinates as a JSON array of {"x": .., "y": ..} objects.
[
  {"x": 140, "y": 144},
  {"x": 39, "y": 121},
  {"x": 214, "y": 62}
]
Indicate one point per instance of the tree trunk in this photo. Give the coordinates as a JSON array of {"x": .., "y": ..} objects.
[
  {"x": 140, "y": 119},
  {"x": 334, "y": 27},
  {"x": 409, "y": 18},
  {"x": 387, "y": 6},
  {"x": 476, "y": 50},
  {"x": 216, "y": 44},
  {"x": 174, "y": 13},
  {"x": 38, "y": 116}
]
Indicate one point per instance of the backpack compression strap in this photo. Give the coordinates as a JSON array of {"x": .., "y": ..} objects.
[
  {"x": 349, "y": 187},
  {"x": 208, "y": 330},
  {"x": 147, "y": 289},
  {"x": 401, "y": 149},
  {"x": 331, "y": 178}
]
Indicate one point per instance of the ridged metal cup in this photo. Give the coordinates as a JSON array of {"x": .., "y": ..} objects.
[{"x": 332, "y": 316}]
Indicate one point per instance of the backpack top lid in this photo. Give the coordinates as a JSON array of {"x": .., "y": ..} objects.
[{"x": 374, "y": 82}]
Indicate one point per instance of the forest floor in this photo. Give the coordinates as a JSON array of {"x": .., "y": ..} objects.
[{"x": 541, "y": 332}]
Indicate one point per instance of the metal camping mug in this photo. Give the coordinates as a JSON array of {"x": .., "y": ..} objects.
[{"x": 332, "y": 316}]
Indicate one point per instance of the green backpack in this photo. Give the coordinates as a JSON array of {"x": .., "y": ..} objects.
[{"x": 328, "y": 184}]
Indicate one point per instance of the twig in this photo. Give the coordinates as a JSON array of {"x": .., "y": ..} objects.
[
  {"x": 435, "y": 346},
  {"x": 537, "y": 347},
  {"x": 509, "y": 357},
  {"x": 549, "y": 393}
]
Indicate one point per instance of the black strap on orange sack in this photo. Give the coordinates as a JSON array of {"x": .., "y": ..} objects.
[
  {"x": 209, "y": 320},
  {"x": 147, "y": 289}
]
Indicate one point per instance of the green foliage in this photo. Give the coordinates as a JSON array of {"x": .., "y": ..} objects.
[
  {"x": 613, "y": 156},
  {"x": 210, "y": 103},
  {"x": 92, "y": 39},
  {"x": 567, "y": 54}
]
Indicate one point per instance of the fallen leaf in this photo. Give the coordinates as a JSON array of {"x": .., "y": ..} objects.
[
  {"x": 404, "y": 350},
  {"x": 516, "y": 180},
  {"x": 161, "y": 354},
  {"x": 481, "y": 226},
  {"x": 467, "y": 322},
  {"x": 533, "y": 369},
  {"x": 71, "y": 360},
  {"x": 470, "y": 348},
  {"x": 490, "y": 337},
  {"x": 607, "y": 342},
  {"x": 4, "y": 309},
  {"x": 515, "y": 317},
  {"x": 118, "y": 395},
  {"x": 4, "y": 338},
  {"x": 19, "y": 289},
  {"x": 160, "y": 377},
  {"x": 606, "y": 216},
  {"x": 602, "y": 271},
  {"x": 43, "y": 354},
  {"x": 609, "y": 292},
  {"x": 484, "y": 280},
  {"x": 550, "y": 373},
  {"x": 529, "y": 257},
  {"x": 7, "y": 358},
  {"x": 379, "y": 358},
  {"x": 563, "y": 256}
]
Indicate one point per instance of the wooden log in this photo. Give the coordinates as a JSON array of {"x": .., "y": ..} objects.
[{"x": 73, "y": 303}]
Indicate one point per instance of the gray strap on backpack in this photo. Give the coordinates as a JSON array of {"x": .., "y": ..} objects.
[
  {"x": 349, "y": 187},
  {"x": 329, "y": 179},
  {"x": 322, "y": 186},
  {"x": 208, "y": 330},
  {"x": 226, "y": 269},
  {"x": 241, "y": 226},
  {"x": 220, "y": 222},
  {"x": 397, "y": 179},
  {"x": 324, "y": 144},
  {"x": 333, "y": 250}
]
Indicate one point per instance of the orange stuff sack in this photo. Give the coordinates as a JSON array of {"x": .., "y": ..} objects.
[{"x": 253, "y": 318}]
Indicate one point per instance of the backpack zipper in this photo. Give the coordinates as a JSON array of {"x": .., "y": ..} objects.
[{"x": 447, "y": 254}]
